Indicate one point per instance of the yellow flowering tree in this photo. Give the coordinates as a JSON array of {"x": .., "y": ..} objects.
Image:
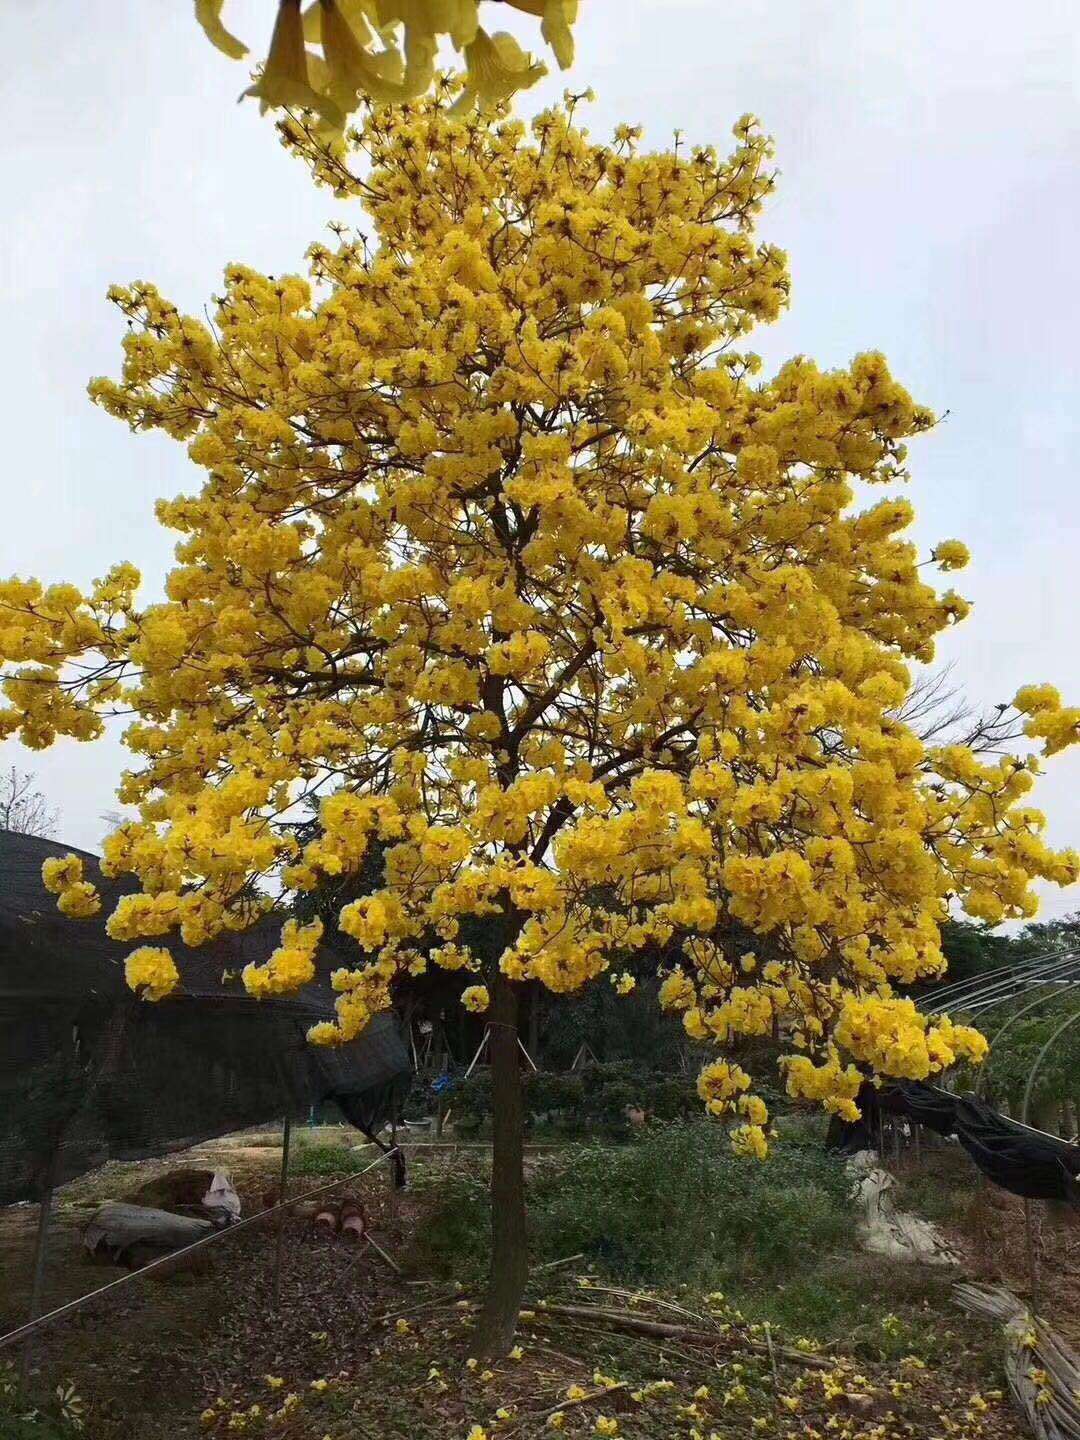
[{"x": 508, "y": 560}]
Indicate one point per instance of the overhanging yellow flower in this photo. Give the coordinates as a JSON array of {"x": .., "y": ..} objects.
[{"x": 385, "y": 51}]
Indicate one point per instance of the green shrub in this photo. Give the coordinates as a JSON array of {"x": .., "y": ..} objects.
[{"x": 675, "y": 1206}]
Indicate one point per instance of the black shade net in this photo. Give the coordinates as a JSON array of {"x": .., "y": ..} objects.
[
  {"x": 90, "y": 1073},
  {"x": 1013, "y": 1156}
]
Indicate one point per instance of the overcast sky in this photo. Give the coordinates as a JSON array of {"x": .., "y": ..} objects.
[{"x": 929, "y": 200}]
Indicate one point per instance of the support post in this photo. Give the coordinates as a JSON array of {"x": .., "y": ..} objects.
[
  {"x": 1032, "y": 1258},
  {"x": 41, "y": 1245},
  {"x": 112, "y": 1040},
  {"x": 479, "y": 1051},
  {"x": 286, "y": 1138}
]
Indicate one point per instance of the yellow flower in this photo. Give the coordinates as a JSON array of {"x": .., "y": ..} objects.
[
  {"x": 951, "y": 554},
  {"x": 749, "y": 1140},
  {"x": 352, "y": 65},
  {"x": 475, "y": 998},
  {"x": 497, "y": 69},
  {"x": 208, "y": 14},
  {"x": 152, "y": 972},
  {"x": 59, "y": 873},
  {"x": 284, "y": 79},
  {"x": 79, "y": 901}
]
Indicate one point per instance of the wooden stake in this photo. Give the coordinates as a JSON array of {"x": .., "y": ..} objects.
[
  {"x": 772, "y": 1356},
  {"x": 380, "y": 1251},
  {"x": 286, "y": 1137},
  {"x": 1032, "y": 1259},
  {"x": 41, "y": 1245}
]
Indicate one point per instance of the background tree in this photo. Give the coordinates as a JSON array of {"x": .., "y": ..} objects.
[
  {"x": 507, "y": 559},
  {"x": 23, "y": 807}
]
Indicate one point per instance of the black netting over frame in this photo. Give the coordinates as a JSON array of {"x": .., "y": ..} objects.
[{"x": 89, "y": 1073}]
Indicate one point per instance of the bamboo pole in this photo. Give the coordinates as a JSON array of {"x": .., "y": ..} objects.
[
  {"x": 286, "y": 1137},
  {"x": 41, "y": 1244}
]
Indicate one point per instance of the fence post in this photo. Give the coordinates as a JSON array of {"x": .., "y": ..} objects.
[
  {"x": 41, "y": 1245},
  {"x": 285, "y": 1139}
]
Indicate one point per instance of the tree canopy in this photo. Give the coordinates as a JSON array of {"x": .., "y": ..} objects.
[{"x": 509, "y": 558}]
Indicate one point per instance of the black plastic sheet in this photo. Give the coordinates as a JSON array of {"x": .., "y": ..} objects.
[{"x": 1013, "y": 1156}]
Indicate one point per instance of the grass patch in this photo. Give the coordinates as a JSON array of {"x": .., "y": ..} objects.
[
  {"x": 322, "y": 1158},
  {"x": 941, "y": 1188}
]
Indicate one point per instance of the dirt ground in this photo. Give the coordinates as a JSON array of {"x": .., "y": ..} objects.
[
  {"x": 357, "y": 1351},
  {"x": 986, "y": 1226},
  {"x": 167, "y": 1345}
]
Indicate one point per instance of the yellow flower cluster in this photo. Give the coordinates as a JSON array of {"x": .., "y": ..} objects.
[
  {"x": 893, "y": 1038},
  {"x": 577, "y": 632},
  {"x": 385, "y": 51},
  {"x": 152, "y": 972},
  {"x": 1057, "y": 725},
  {"x": 475, "y": 998},
  {"x": 831, "y": 1083},
  {"x": 63, "y": 877},
  {"x": 290, "y": 966}
]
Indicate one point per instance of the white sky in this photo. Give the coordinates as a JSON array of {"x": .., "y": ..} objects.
[{"x": 929, "y": 199}]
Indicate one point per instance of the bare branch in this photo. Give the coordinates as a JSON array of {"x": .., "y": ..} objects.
[{"x": 24, "y": 809}]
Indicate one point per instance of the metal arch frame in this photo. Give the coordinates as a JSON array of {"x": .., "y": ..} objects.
[
  {"x": 1029, "y": 1232},
  {"x": 1047, "y": 975},
  {"x": 998, "y": 986},
  {"x": 1060, "y": 1030},
  {"x": 1018, "y": 970},
  {"x": 983, "y": 1077},
  {"x": 1063, "y": 976},
  {"x": 1052, "y": 971}
]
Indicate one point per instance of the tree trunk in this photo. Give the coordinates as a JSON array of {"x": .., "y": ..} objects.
[
  {"x": 509, "y": 1248},
  {"x": 534, "y": 1024}
]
